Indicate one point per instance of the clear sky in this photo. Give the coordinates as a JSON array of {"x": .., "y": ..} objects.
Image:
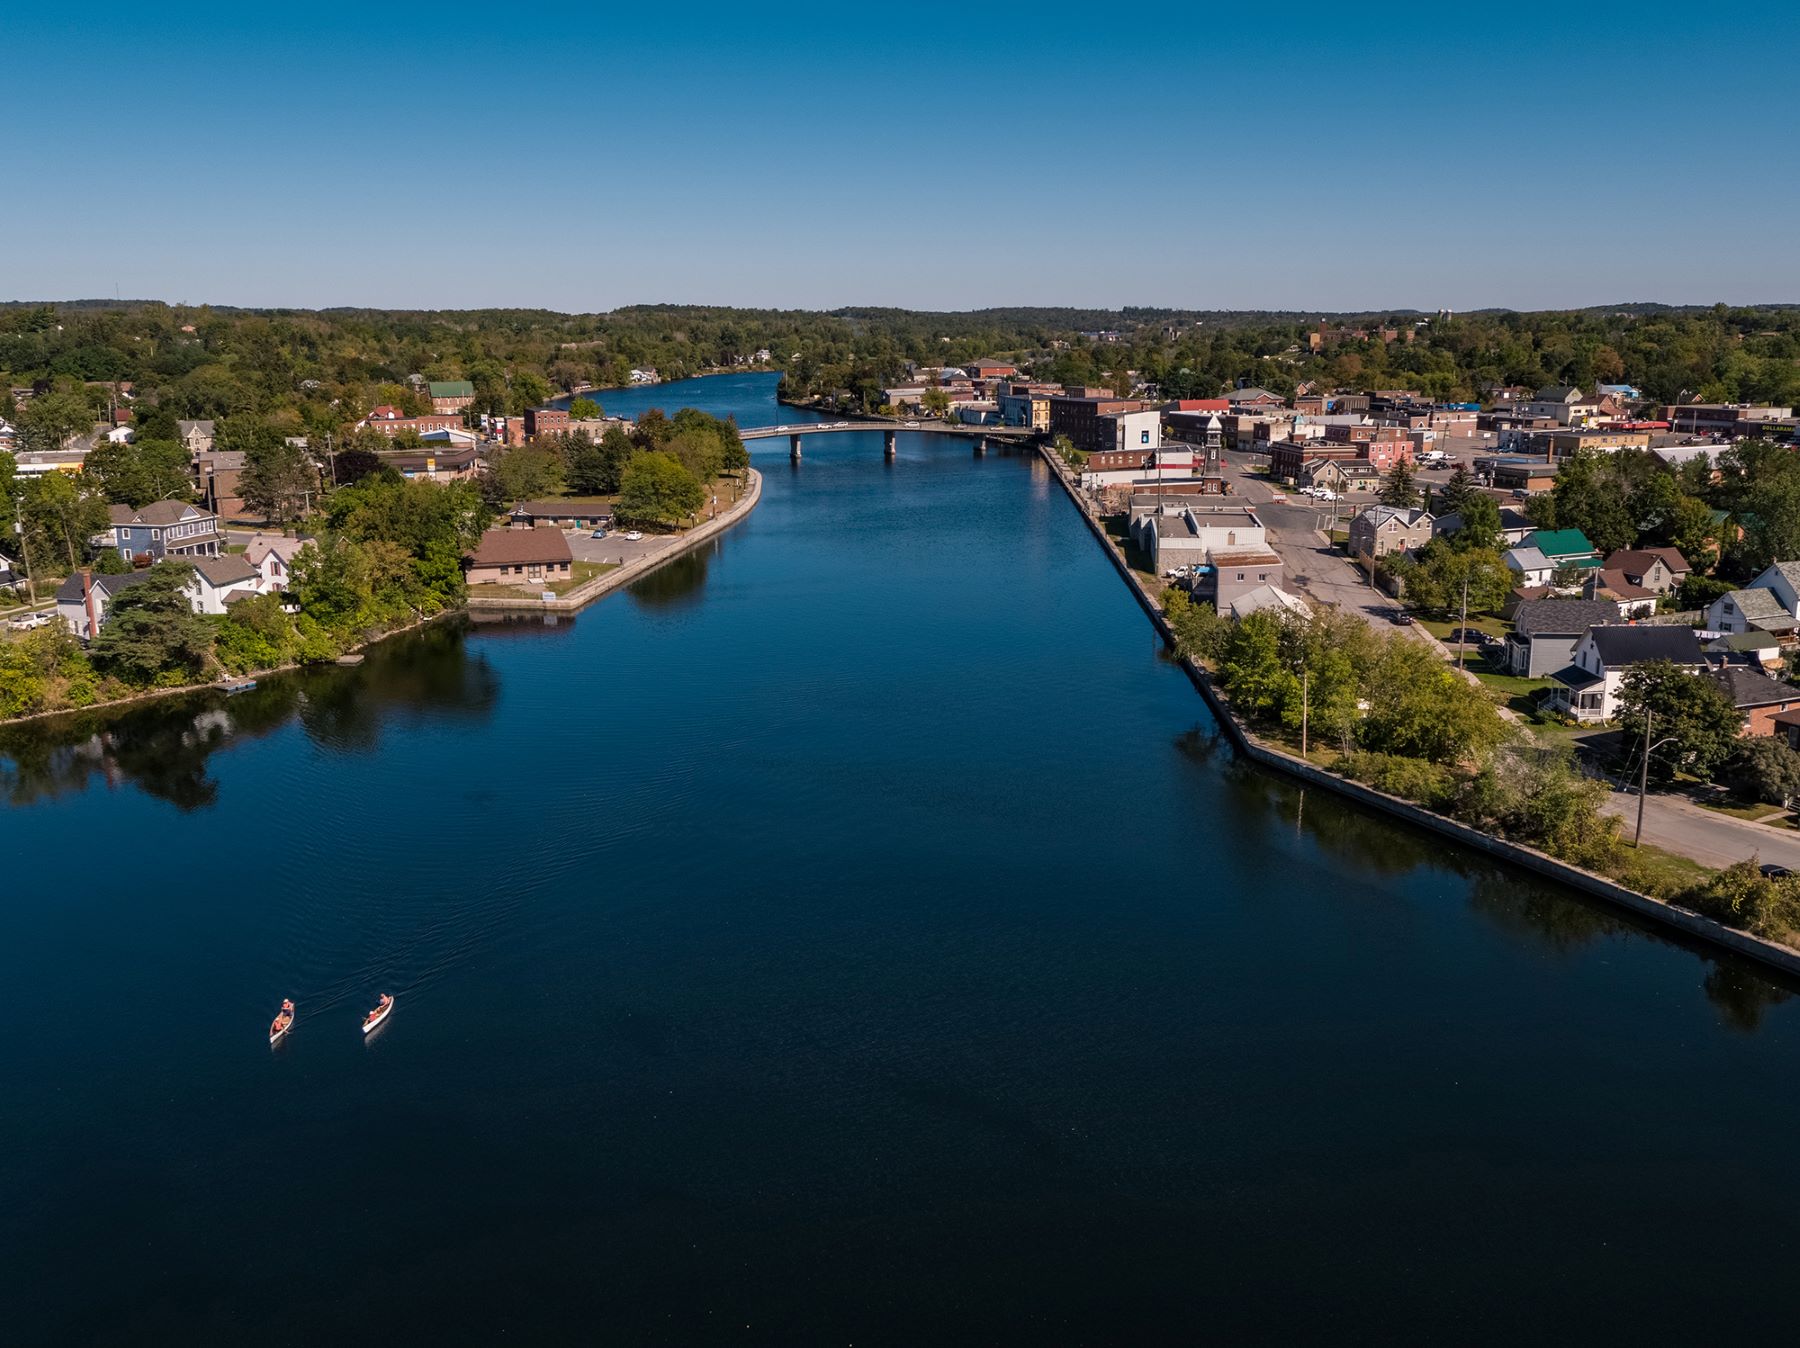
[{"x": 805, "y": 156}]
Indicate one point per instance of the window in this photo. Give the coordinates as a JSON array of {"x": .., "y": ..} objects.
[
  {"x": 1143, "y": 437},
  {"x": 1240, "y": 575}
]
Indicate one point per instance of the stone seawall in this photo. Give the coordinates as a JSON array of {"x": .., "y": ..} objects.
[
  {"x": 587, "y": 592},
  {"x": 1685, "y": 921}
]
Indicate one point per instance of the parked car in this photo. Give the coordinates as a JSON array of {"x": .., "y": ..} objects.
[
  {"x": 635, "y": 536},
  {"x": 1403, "y": 620},
  {"x": 26, "y": 621},
  {"x": 598, "y": 533},
  {"x": 1774, "y": 872}
]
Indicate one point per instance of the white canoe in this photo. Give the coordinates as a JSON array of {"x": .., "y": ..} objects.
[
  {"x": 283, "y": 1022},
  {"x": 378, "y": 1017}
]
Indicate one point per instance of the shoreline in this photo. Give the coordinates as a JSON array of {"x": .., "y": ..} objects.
[
  {"x": 605, "y": 583},
  {"x": 1655, "y": 912},
  {"x": 594, "y": 589}
]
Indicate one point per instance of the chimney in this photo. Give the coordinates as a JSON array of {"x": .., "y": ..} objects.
[{"x": 87, "y": 599}]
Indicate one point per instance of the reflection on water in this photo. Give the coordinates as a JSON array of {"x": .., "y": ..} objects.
[
  {"x": 1742, "y": 995},
  {"x": 163, "y": 747},
  {"x": 675, "y": 584}
]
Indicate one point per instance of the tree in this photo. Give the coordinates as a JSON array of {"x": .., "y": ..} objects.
[
  {"x": 61, "y": 515},
  {"x": 1400, "y": 489},
  {"x": 1421, "y": 708},
  {"x": 1480, "y": 526},
  {"x": 1692, "y": 712},
  {"x": 529, "y": 390},
  {"x": 151, "y": 633},
  {"x": 1763, "y": 768},
  {"x": 279, "y": 479},
  {"x": 50, "y": 420},
  {"x": 528, "y": 472},
  {"x": 656, "y": 489},
  {"x": 142, "y": 471},
  {"x": 1456, "y": 494},
  {"x": 935, "y": 401},
  {"x": 584, "y": 409}
]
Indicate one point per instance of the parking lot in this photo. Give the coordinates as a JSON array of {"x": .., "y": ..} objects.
[{"x": 615, "y": 547}]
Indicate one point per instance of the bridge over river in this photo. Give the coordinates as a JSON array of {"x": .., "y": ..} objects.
[{"x": 890, "y": 431}]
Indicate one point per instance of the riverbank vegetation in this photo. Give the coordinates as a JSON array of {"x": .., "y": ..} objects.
[
  {"x": 1385, "y": 710},
  {"x": 387, "y": 553}
]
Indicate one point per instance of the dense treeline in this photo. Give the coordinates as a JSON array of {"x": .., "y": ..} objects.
[{"x": 320, "y": 371}]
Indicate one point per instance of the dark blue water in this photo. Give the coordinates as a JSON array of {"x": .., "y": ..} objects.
[{"x": 856, "y": 932}]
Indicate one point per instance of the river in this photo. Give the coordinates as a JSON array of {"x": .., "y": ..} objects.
[{"x": 855, "y": 932}]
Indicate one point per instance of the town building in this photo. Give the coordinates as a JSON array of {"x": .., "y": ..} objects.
[
  {"x": 1094, "y": 423},
  {"x": 1588, "y": 688},
  {"x": 1544, "y": 633},
  {"x": 546, "y": 421},
  {"x": 450, "y": 464},
  {"x": 165, "y": 529},
  {"x": 273, "y": 557},
  {"x": 1659, "y": 570},
  {"x": 1563, "y": 404},
  {"x": 196, "y": 436},
  {"x": 561, "y": 515},
  {"x": 1770, "y": 603},
  {"x": 527, "y": 557},
  {"x": 217, "y": 580},
  {"x": 1760, "y": 700},
  {"x": 1383, "y": 531},
  {"x": 216, "y": 476},
  {"x": 451, "y": 395},
  {"x": 83, "y": 601}
]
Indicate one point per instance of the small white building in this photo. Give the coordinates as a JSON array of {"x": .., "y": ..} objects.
[
  {"x": 218, "y": 579},
  {"x": 1531, "y": 566}
]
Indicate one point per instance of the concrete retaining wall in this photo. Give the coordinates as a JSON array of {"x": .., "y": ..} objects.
[
  {"x": 587, "y": 592},
  {"x": 1669, "y": 915}
]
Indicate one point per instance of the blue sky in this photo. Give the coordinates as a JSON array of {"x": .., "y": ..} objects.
[{"x": 804, "y": 156}]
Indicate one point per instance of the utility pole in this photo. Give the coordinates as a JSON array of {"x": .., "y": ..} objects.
[
  {"x": 25, "y": 551},
  {"x": 1305, "y": 705},
  {"x": 1462, "y": 632}
]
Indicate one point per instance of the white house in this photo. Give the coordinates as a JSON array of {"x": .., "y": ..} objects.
[
  {"x": 1532, "y": 567},
  {"x": 1770, "y": 603},
  {"x": 1589, "y": 688},
  {"x": 218, "y": 579},
  {"x": 273, "y": 557}
]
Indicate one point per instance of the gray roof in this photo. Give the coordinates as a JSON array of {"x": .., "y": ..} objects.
[
  {"x": 1749, "y": 688},
  {"x": 1790, "y": 572},
  {"x": 1528, "y": 559},
  {"x": 159, "y": 513},
  {"x": 231, "y": 569},
  {"x": 1759, "y": 605},
  {"x": 69, "y": 592},
  {"x": 1379, "y": 515},
  {"x": 1620, "y": 646},
  {"x": 1563, "y": 617}
]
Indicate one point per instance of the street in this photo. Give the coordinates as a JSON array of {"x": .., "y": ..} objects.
[{"x": 1709, "y": 837}]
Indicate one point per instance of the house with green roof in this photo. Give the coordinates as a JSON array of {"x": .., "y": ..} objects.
[
  {"x": 1564, "y": 548},
  {"x": 451, "y": 395}
]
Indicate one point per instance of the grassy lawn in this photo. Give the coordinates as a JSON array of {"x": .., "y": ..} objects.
[
  {"x": 1738, "y": 809},
  {"x": 1662, "y": 873}
]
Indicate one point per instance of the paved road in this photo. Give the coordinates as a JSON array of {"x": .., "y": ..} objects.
[
  {"x": 1711, "y": 838},
  {"x": 1312, "y": 567}
]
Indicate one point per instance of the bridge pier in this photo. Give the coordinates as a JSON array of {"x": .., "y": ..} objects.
[
  {"x": 794, "y": 448},
  {"x": 980, "y": 446},
  {"x": 889, "y": 443}
]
